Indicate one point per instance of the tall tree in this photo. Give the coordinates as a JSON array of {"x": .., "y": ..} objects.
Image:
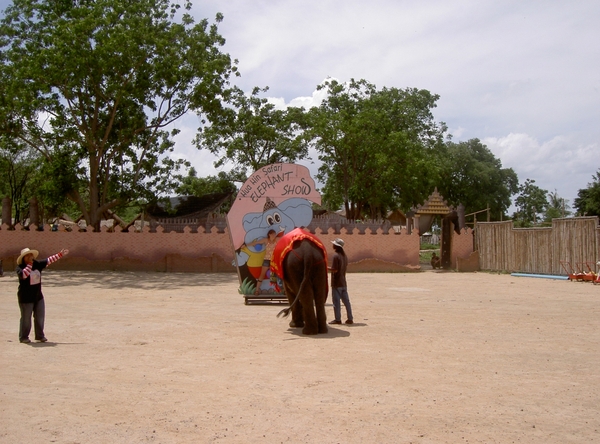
[
  {"x": 27, "y": 174},
  {"x": 587, "y": 202},
  {"x": 252, "y": 133},
  {"x": 93, "y": 85},
  {"x": 473, "y": 176},
  {"x": 557, "y": 207},
  {"x": 18, "y": 168},
  {"x": 531, "y": 203},
  {"x": 376, "y": 146}
]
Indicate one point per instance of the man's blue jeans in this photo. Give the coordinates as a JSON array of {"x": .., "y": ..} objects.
[
  {"x": 38, "y": 309},
  {"x": 341, "y": 294}
]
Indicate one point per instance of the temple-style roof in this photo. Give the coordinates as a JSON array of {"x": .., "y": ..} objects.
[{"x": 435, "y": 204}]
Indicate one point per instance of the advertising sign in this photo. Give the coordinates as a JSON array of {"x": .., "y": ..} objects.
[{"x": 276, "y": 198}]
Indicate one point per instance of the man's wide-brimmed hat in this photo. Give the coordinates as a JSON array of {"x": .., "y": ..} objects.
[
  {"x": 25, "y": 252},
  {"x": 338, "y": 242}
]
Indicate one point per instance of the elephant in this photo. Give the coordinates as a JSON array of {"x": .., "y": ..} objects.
[{"x": 304, "y": 270}]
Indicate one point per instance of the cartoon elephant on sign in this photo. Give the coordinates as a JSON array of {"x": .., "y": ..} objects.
[
  {"x": 304, "y": 269},
  {"x": 283, "y": 218}
]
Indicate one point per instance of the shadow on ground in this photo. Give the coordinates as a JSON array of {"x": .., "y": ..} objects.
[
  {"x": 331, "y": 333},
  {"x": 138, "y": 280}
]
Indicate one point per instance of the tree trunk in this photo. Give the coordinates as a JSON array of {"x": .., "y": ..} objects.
[
  {"x": 6, "y": 212},
  {"x": 93, "y": 215}
]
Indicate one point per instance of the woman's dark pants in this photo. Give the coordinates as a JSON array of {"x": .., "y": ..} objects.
[{"x": 38, "y": 309}]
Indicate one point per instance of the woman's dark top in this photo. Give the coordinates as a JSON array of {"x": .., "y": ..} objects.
[{"x": 30, "y": 288}]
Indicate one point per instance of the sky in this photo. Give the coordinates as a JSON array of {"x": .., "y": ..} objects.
[{"x": 521, "y": 76}]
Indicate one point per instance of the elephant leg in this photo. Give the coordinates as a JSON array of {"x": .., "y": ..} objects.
[
  {"x": 297, "y": 316},
  {"x": 297, "y": 319},
  {"x": 320, "y": 293},
  {"x": 308, "y": 310},
  {"x": 321, "y": 316}
]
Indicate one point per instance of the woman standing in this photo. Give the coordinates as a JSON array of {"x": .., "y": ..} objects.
[
  {"x": 269, "y": 242},
  {"x": 31, "y": 299}
]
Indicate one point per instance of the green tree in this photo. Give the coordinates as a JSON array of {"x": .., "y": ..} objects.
[
  {"x": 93, "y": 85},
  {"x": 17, "y": 169},
  {"x": 252, "y": 134},
  {"x": 473, "y": 176},
  {"x": 192, "y": 185},
  {"x": 557, "y": 207},
  {"x": 531, "y": 203},
  {"x": 376, "y": 146},
  {"x": 587, "y": 202},
  {"x": 27, "y": 174}
]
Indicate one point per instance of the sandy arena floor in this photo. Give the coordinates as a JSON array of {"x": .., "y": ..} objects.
[{"x": 433, "y": 357}]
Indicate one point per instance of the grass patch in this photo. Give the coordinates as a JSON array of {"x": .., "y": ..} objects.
[{"x": 425, "y": 256}]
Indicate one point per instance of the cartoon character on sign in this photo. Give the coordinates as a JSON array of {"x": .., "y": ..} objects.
[
  {"x": 277, "y": 197},
  {"x": 283, "y": 218}
]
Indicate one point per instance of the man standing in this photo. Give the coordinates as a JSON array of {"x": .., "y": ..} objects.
[{"x": 339, "y": 288}]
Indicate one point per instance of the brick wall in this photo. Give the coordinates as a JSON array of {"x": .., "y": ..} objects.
[
  {"x": 462, "y": 245},
  {"x": 202, "y": 251}
]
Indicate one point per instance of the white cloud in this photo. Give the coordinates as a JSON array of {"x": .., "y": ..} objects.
[
  {"x": 520, "y": 76},
  {"x": 305, "y": 102},
  {"x": 560, "y": 163},
  {"x": 456, "y": 133}
]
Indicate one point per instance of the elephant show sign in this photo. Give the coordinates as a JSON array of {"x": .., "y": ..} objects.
[{"x": 276, "y": 197}]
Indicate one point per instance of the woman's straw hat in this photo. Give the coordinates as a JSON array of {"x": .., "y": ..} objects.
[{"x": 25, "y": 252}]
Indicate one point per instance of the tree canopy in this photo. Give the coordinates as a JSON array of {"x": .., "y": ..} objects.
[
  {"x": 531, "y": 202},
  {"x": 557, "y": 207},
  {"x": 18, "y": 168},
  {"x": 92, "y": 86},
  {"x": 192, "y": 185},
  {"x": 252, "y": 133},
  {"x": 375, "y": 146},
  {"x": 587, "y": 202},
  {"x": 471, "y": 175}
]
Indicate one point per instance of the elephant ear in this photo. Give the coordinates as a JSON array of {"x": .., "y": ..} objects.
[
  {"x": 252, "y": 220},
  {"x": 297, "y": 209}
]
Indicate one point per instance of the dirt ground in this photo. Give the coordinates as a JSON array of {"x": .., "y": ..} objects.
[{"x": 433, "y": 357}]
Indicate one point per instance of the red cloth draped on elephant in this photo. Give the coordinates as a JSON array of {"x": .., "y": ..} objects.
[{"x": 285, "y": 245}]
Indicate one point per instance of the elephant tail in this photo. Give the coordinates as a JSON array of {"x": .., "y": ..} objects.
[{"x": 285, "y": 312}]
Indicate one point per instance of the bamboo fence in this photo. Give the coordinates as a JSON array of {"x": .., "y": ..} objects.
[{"x": 570, "y": 242}]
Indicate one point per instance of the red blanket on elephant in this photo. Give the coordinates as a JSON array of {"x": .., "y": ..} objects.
[{"x": 285, "y": 244}]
